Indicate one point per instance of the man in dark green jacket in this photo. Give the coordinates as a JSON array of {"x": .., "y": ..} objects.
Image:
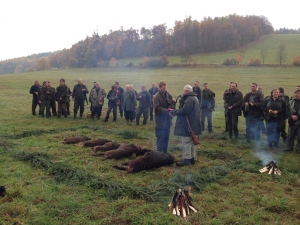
[
  {"x": 62, "y": 98},
  {"x": 283, "y": 125},
  {"x": 79, "y": 96},
  {"x": 188, "y": 110},
  {"x": 233, "y": 100},
  {"x": 34, "y": 91},
  {"x": 44, "y": 99},
  {"x": 52, "y": 99}
]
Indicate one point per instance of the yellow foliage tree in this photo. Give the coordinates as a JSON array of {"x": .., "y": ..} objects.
[{"x": 112, "y": 61}]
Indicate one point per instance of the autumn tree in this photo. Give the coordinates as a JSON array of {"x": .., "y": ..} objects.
[
  {"x": 42, "y": 64},
  {"x": 263, "y": 54},
  {"x": 281, "y": 54}
]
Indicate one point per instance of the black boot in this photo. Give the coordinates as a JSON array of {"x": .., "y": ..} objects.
[
  {"x": 58, "y": 115},
  {"x": 137, "y": 121},
  {"x": 236, "y": 134},
  {"x": 185, "y": 162},
  {"x": 75, "y": 115},
  {"x": 192, "y": 161},
  {"x": 66, "y": 115},
  {"x": 81, "y": 115}
]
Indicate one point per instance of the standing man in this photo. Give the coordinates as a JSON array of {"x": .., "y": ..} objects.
[
  {"x": 293, "y": 113},
  {"x": 113, "y": 97},
  {"x": 62, "y": 98},
  {"x": 227, "y": 90},
  {"x": 252, "y": 106},
  {"x": 34, "y": 91},
  {"x": 283, "y": 125},
  {"x": 153, "y": 90},
  {"x": 129, "y": 104},
  {"x": 91, "y": 107},
  {"x": 163, "y": 121},
  {"x": 188, "y": 110},
  {"x": 97, "y": 99},
  {"x": 121, "y": 91},
  {"x": 262, "y": 124},
  {"x": 207, "y": 106},
  {"x": 233, "y": 101},
  {"x": 197, "y": 91},
  {"x": 44, "y": 99},
  {"x": 144, "y": 99},
  {"x": 52, "y": 99},
  {"x": 79, "y": 96}
]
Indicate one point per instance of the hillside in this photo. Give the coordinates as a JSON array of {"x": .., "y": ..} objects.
[{"x": 252, "y": 50}]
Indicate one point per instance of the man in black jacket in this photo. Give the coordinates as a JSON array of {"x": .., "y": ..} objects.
[
  {"x": 152, "y": 91},
  {"x": 233, "y": 100},
  {"x": 252, "y": 106},
  {"x": 34, "y": 91},
  {"x": 144, "y": 99},
  {"x": 121, "y": 91},
  {"x": 62, "y": 98},
  {"x": 113, "y": 97},
  {"x": 163, "y": 121},
  {"x": 293, "y": 114},
  {"x": 188, "y": 110},
  {"x": 79, "y": 96},
  {"x": 197, "y": 91}
]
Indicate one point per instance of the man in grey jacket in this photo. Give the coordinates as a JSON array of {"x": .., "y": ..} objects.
[
  {"x": 129, "y": 104},
  {"x": 144, "y": 99},
  {"x": 188, "y": 110},
  {"x": 97, "y": 99}
]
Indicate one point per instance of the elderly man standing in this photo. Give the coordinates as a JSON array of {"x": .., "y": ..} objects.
[
  {"x": 129, "y": 104},
  {"x": 145, "y": 101},
  {"x": 163, "y": 121},
  {"x": 97, "y": 99},
  {"x": 79, "y": 96},
  {"x": 153, "y": 90},
  {"x": 233, "y": 100},
  {"x": 188, "y": 112}
]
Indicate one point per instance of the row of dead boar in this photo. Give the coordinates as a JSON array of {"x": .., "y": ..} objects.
[{"x": 112, "y": 150}]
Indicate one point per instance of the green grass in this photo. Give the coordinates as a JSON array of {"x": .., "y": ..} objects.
[
  {"x": 227, "y": 187},
  {"x": 252, "y": 50}
]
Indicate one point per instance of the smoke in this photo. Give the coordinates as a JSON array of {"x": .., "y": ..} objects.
[{"x": 266, "y": 157}]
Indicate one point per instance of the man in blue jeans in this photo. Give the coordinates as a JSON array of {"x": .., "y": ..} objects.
[{"x": 163, "y": 121}]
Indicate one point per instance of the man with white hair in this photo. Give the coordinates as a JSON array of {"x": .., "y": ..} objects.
[
  {"x": 79, "y": 96},
  {"x": 188, "y": 112}
]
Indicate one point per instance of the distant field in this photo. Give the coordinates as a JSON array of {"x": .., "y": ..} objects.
[
  {"x": 252, "y": 50},
  {"x": 227, "y": 186}
]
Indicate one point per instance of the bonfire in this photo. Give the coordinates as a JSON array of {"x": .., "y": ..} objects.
[{"x": 272, "y": 168}]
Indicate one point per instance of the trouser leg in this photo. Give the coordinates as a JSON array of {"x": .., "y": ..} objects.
[
  {"x": 209, "y": 123},
  {"x": 166, "y": 140},
  {"x": 81, "y": 107},
  {"x": 138, "y": 115},
  {"x": 53, "y": 107},
  {"x": 121, "y": 110},
  {"x": 297, "y": 131},
  {"x": 187, "y": 147},
  {"x": 151, "y": 113},
  {"x": 235, "y": 120},
  {"x": 34, "y": 105},
  {"x": 42, "y": 109},
  {"x": 145, "y": 115},
  {"x": 269, "y": 130},
  {"x": 248, "y": 129},
  {"x": 202, "y": 116},
  {"x": 291, "y": 138},
  {"x": 114, "y": 113},
  {"x": 283, "y": 130},
  {"x": 47, "y": 103},
  {"x": 229, "y": 123},
  {"x": 162, "y": 139}
]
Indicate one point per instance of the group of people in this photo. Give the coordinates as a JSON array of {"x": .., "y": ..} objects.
[
  {"x": 275, "y": 109},
  {"x": 195, "y": 106},
  {"x": 131, "y": 104}
]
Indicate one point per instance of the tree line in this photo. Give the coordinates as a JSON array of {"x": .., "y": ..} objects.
[{"x": 187, "y": 37}]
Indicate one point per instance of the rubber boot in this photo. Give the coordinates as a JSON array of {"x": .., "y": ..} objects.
[
  {"x": 185, "y": 162},
  {"x": 230, "y": 133}
]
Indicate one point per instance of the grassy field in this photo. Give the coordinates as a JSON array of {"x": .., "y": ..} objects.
[
  {"x": 252, "y": 50},
  {"x": 52, "y": 183}
]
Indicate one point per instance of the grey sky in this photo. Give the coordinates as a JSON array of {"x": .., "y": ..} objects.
[{"x": 35, "y": 26}]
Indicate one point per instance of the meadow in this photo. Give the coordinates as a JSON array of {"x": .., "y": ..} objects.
[
  {"x": 226, "y": 184},
  {"x": 252, "y": 50}
]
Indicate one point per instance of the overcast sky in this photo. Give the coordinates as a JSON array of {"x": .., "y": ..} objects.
[{"x": 36, "y": 26}]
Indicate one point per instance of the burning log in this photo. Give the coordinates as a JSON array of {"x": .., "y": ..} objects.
[
  {"x": 272, "y": 168},
  {"x": 182, "y": 203}
]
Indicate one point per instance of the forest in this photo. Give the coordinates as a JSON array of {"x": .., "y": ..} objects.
[{"x": 186, "y": 38}]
